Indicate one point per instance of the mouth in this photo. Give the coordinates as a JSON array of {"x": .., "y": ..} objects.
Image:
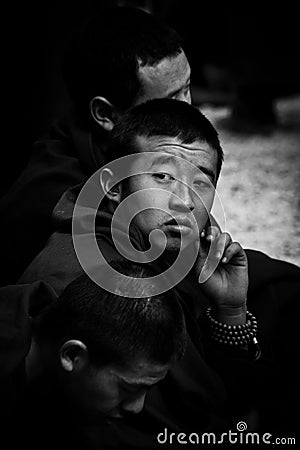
[{"x": 180, "y": 225}]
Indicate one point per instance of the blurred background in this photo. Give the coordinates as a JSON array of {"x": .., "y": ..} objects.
[{"x": 245, "y": 78}]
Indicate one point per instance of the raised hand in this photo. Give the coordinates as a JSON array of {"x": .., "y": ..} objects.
[{"x": 222, "y": 264}]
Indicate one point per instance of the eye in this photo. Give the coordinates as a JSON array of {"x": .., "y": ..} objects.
[
  {"x": 187, "y": 89},
  {"x": 202, "y": 183},
  {"x": 163, "y": 177}
]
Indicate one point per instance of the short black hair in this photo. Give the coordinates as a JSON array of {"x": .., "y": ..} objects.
[
  {"x": 162, "y": 117},
  {"x": 103, "y": 57},
  {"x": 116, "y": 329}
]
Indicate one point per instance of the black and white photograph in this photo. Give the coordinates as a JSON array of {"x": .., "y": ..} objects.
[{"x": 150, "y": 225}]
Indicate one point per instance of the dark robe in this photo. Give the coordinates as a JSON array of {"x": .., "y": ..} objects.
[
  {"x": 63, "y": 158},
  {"x": 212, "y": 387}
]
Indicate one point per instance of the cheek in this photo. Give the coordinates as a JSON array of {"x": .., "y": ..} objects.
[
  {"x": 106, "y": 404},
  {"x": 150, "y": 196},
  {"x": 147, "y": 219},
  {"x": 202, "y": 210},
  {"x": 99, "y": 392},
  {"x": 104, "y": 398},
  {"x": 150, "y": 207},
  {"x": 204, "y": 200}
]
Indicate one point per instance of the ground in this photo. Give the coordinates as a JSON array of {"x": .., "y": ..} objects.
[{"x": 260, "y": 182}]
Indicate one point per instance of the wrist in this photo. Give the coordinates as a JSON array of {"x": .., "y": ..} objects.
[
  {"x": 242, "y": 336},
  {"x": 231, "y": 315}
]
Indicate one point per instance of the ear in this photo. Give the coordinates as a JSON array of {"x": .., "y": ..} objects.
[
  {"x": 73, "y": 355},
  {"x": 102, "y": 111},
  {"x": 113, "y": 192}
]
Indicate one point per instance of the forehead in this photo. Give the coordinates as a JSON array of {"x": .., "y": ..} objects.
[
  {"x": 197, "y": 154},
  {"x": 141, "y": 373},
  {"x": 160, "y": 80}
]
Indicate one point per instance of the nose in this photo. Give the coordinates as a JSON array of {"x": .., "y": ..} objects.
[
  {"x": 134, "y": 405},
  {"x": 181, "y": 199}
]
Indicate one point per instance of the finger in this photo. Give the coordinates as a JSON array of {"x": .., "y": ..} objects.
[
  {"x": 211, "y": 259},
  {"x": 221, "y": 244},
  {"x": 209, "y": 236},
  {"x": 216, "y": 251},
  {"x": 211, "y": 233},
  {"x": 234, "y": 250}
]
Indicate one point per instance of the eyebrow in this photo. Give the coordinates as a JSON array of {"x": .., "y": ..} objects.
[
  {"x": 170, "y": 94},
  {"x": 208, "y": 172},
  {"x": 162, "y": 159},
  {"x": 170, "y": 159}
]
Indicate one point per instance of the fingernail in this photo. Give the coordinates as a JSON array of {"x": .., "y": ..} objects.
[
  {"x": 224, "y": 260},
  {"x": 218, "y": 255},
  {"x": 210, "y": 237}
]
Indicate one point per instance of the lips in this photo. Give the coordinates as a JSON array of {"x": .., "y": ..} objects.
[
  {"x": 180, "y": 225},
  {"x": 179, "y": 221}
]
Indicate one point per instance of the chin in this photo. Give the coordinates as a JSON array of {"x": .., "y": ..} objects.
[{"x": 174, "y": 244}]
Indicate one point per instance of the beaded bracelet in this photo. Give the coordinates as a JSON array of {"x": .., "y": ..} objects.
[{"x": 233, "y": 335}]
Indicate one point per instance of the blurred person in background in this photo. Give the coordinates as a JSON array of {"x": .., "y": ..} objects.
[{"x": 119, "y": 58}]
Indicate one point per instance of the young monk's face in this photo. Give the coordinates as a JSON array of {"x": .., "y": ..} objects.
[
  {"x": 114, "y": 390},
  {"x": 175, "y": 187}
]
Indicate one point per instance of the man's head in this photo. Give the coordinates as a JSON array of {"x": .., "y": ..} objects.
[
  {"x": 177, "y": 161},
  {"x": 121, "y": 58},
  {"x": 108, "y": 350}
]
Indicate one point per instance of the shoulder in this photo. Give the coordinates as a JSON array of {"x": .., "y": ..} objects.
[
  {"x": 264, "y": 269},
  {"x": 17, "y": 304}
]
